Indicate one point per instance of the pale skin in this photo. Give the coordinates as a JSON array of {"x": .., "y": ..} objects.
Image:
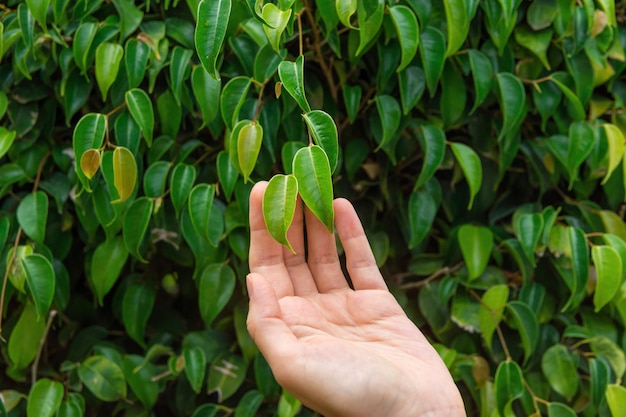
[{"x": 341, "y": 351}]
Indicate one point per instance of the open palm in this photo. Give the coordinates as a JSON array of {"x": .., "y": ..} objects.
[{"x": 341, "y": 351}]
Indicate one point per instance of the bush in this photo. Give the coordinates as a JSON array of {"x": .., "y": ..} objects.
[{"x": 481, "y": 142}]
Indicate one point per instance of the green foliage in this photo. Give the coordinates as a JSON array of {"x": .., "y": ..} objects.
[{"x": 482, "y": 143}]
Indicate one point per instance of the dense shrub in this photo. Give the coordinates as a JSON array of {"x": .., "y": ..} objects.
[{"x": 481, "y": 142}]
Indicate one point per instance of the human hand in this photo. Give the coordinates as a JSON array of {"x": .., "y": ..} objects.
[{"x": 341, "y": 351}]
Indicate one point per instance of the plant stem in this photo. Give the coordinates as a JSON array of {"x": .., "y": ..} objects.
[{"x": 42, "y": 342}]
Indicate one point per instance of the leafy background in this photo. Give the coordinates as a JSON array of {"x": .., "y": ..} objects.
[{"x": 482, "y": 143}]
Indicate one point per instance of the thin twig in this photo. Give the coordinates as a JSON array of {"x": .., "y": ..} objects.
[
  {"x": 440, "y": 272},
  {"x": 42, "y": 342}
]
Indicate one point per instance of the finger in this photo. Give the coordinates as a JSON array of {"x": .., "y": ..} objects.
[
  {"x": 322, "y": 257},
  {"x": 296, "y": 264},
  {"x": 265, "y": 324},
  {"x": 360, "y": 260},
  {"x": 266, "y": 255}
]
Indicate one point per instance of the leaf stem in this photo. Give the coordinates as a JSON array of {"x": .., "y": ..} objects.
[
  {"x": 446, "y": 270},
  {"x": 42, "y": 342}
]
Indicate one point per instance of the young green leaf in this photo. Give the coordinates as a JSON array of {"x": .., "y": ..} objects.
[
  {"x": 232, "y": 98},
  {"x": 140, "y": 108},
  {"x": 124, "y": 173},
  {"x": 108, "y": 58},
  {"x": 6, "y": 139},
  {"x": 292, "y": 76},
  {"x": 136, "y": 221},
  {"x": 528, "y": 229},
  {"x": 137, "y": 306},
  {"x": 276, "y": 22},
  {"x": 41, "y": 281},
  {"x": 212, "y": 18},
  {"x": 470, "y": 165},
  {"x": 181, "y": 182},
  {"x": 608, "y": 274},
  {"x": 32, "y": 215},
  {"x": 458, "y": 23},
  {"x": 407, "y": 30},
  {"x": 249, "y": 142},
  {"x": 215, "y": 287},
  {"x": 476, "y": 243},
  {"x": 345, "y": 10},
  {"x": 195, "y": 367},
  {"x": 83, "y": 38},
  {"x": 492, "y": 305},
  {"x": 106, "y": 264},
  {"x": 279, "y": 206},
  {"x": 200, "y": 204},
  {"x": 559, "y": 369},
  {"x": 324, "y": 131},
  {"x": 25, "y": 336},
  {"x": 482, "y": 72},
  {"x": 44, "y": 398},
  {"x": 615, "y": 139},
  {"x": 103, "y": 377},
  {"x": 312, "y": 171},
  {"x": 616, "y": 398}
]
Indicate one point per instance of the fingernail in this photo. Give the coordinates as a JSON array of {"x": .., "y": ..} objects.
[{"x": 250, "y": 286}]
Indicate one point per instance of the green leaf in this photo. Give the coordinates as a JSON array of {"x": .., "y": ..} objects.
[
  {"x": 232, "y": 98},
  {"x": 44, "y": 398},
  {"x": 324, "y": 132},
  {"x": 580, "y": 263},
  {"x": 103, "y": 377},
  {"x": 135, "y": 61},
  {"x": 614, "y": 354},
  {"x": 141, "y": 110},
  {"x": 124, "y": 173},
  {"x": 536, "y": 42},
  {"x": 266, "y": 63},
  {"x": 476, "y": 243},
  {"x": 25, "y": 337},
  {"x": 106, "y": 264},
  {"x": 83, "y": 38},
  {"x": 509, "y": 385},
  {"x": 200, "y": 203},
  {"x": 137, "y": 306},
  {"x": 470, "y": 165},
  {"x": 345, "y": 10},
  {"x": 155, "y": 179},
  {"x": 422, "y": 211},
  {"x": 227, "y": 174},
  {"x": 453, "y": 94},
  {"x": 288, "y": 405},
  {"x": 580, "y": 144},
  {"x": 179, "y": 62},
  {"x": 41, "y": 281},
  {"x": 492, "y": 305},
  {"x": 206, "y": 90},
  {"x": 279, "y": 206},
  {"x": 458, "y": 23},
  {"x": 181, "y": 182},
  {"x": 88, "y": 135},
  {"x": 226, "y": 374},
  {"x": 215, "y": 287},
  {"x": 195, "y": 367},
  {"x": 608, "y": 274},
  {"x": 560, "y": 410},
  {"x": 276, "y": 22},
  {"x": 559, "y": 369},
  {"x": 139, "y": 375},
  {"x": 370, "y": 16},
  {"x": 528, "y": 228},
  {"x": 389, "y": 113},
  {"x": 32, "y": 215},
  {"x": 527, "y": 325},
  {"x": 39, "y": 9},
  {"x": 90, "y": 162},
  {"x": 599, "y": 373},
  {"x": 576, "y": 106},
  {"x": 432, "y": 52},
  {"x": 249, "y": 142},
  {"x": 312, "y": 171},
  {"x": 412, "y": 84},
  {"x": 616, "y": 398},
  {"x": 130, "y": 16},
  {"x": 512, "y": 101},
  {"x": 292, "y": 76},
  {"x": 615, "y": 139},
  {"x": 249, "y": 404},
  {"x": 108, "y": 59},
  {"x": 212, "y": 20},
  {"x": 434, "y": 147},
  {"x": 6, "y": 139},
  {"x": 541, "y": 14},
  {"x": 407, "y": 30}
]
